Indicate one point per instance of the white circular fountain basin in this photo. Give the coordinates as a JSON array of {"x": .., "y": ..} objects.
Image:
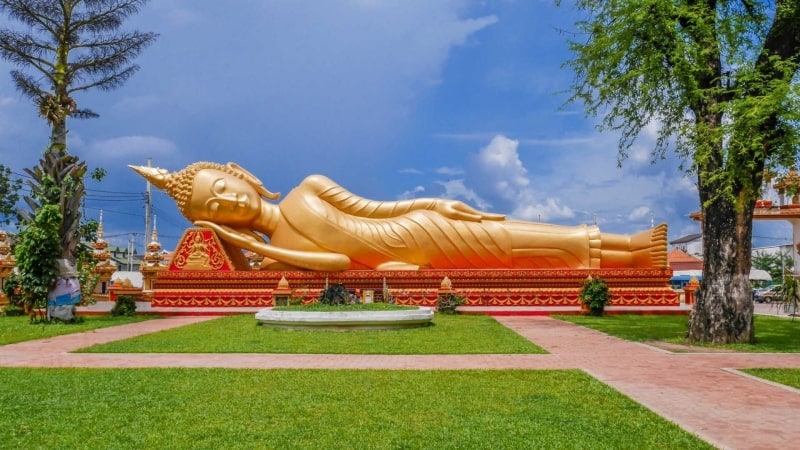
[{"x": 346, "y": 320}]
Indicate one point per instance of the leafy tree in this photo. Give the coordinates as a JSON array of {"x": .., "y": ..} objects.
[
  {"x": 66, "y": 47},
  {"x": 38, "y": 241},
  {"x": 717, "y": 78},
  {"x": 776, "y": 264},
  {"x": 9, "y": 196}
]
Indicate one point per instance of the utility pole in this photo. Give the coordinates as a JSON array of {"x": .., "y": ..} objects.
[
  {"x": 147, "y": 206},
  {"x": 131, "y": 246}
]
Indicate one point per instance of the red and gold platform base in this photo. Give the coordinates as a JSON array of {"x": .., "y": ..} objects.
[{"x": 203, "y": 274}]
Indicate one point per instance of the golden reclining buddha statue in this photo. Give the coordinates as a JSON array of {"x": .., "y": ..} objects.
[{"x": 321, "y": 226}]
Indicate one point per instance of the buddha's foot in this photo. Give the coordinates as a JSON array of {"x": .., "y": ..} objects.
[{"x": 649, "y": 248}]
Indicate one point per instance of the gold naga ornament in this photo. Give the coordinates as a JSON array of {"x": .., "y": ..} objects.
[{"x": 321, "y": 226}]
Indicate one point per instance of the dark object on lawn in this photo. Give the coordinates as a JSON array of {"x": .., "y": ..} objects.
[
  {"x": 335, "y": 295},
  {"x": 124, "y": 306},
  {"x": 447, "y": 304}
]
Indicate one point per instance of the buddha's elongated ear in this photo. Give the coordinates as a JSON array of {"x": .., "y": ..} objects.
[{"x": 250, "y": 178}]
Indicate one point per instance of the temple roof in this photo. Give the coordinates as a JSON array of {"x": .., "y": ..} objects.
[
  {"x": 680, "y": 260},
  {"x": 686, "y": 239}
]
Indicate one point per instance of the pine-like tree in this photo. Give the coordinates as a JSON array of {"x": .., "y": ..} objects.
[{"x": 64, "y": 47}]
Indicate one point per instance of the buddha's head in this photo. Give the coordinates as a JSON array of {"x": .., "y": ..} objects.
[{"x": 226, "y": 195}]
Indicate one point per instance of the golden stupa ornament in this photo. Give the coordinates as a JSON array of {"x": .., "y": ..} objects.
[
  {"x": 104, "y": 266},
  {"x": 153, "y": 256}
]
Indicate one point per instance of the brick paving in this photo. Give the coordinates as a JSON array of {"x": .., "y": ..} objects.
[{"x": 702, "y": 392}]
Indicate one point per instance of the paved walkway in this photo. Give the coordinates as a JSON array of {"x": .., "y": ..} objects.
[{"x": 702, "y": 392}]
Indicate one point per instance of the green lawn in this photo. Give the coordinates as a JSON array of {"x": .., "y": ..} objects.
[
  {"x": 217, "y": 408},
  {"x": 789, "y": 377},
  {"x": 18, "y": 328},
  {"x": 773, "y": 334},
  {"x": 449, "y": 334}
]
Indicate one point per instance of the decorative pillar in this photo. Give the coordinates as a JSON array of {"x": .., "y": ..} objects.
[
  {"x": 153, "y": 264},
  {"x": 690, "y": 289},
  {"x": 445, "y": 288},
  {"x": 281, "y": 294}
]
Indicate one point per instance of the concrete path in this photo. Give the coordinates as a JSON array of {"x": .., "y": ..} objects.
[{"x": 702, "y": 392}]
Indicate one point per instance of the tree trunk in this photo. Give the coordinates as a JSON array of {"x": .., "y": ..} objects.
[{"x": 723, "y": 312}]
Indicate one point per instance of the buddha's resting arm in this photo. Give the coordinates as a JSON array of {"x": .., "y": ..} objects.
[
  {"x": 349, "y": 203},
  {"x": 322, "y": 261}
]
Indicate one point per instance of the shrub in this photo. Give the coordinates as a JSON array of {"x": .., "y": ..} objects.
[
  {"x": 295, "y": 299},
  {"x": 124, "y": 306},
  {"x": 447, "y": 304},
  {"x": 335, "y": 294},
  {"x": 595, "y": 295},
  {"x": 13, "y": 310}
]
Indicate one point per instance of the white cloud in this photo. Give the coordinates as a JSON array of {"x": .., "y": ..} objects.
[
  {"x": 455, "y": 189},
  {"x": 498, "y": 172},
  {"x": 469, "y": 137},
  {"x": 410, "y": 171},
  {"x": 321, "y": 74},
  {"x": 449, "y": 171},
  {"x": 132, "y": 148},
  {"x": 551, "y": 209},
  {"x": 558, "y": 142},
  {"x": 500, "y": 161},
  {"x": 413, "y": 193},
  {"x": 642, "y": 212}
]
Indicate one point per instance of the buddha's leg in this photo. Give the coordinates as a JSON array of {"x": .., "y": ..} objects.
[
  {"x": 645, "y": 249},
  {"x": 545, "y": 246}
]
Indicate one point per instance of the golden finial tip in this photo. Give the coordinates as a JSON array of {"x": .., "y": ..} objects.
[{"x": 155, "y": 175}]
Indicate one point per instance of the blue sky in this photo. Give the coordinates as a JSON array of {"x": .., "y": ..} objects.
[{"x": 390, "y": 98}]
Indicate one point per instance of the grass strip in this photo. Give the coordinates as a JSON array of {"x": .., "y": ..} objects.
[
  {"x": 219, "y": 408},
  {"x": 448, "y": 334},
  {"x": 773, "y": 334},
  {"x": 19, "y": 328},
  {"x": 789, "y": 377}
]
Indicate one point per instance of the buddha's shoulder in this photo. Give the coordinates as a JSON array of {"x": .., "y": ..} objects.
[{"x": 317, "y": 180}]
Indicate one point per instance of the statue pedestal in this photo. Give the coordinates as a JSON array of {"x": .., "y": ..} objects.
[{"x": 629, "y": 287}]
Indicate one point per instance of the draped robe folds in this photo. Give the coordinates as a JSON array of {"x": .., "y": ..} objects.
[{"x": 329, "y": 218}]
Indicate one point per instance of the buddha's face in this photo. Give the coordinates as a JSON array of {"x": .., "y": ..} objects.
[{"x": 223, "y": 199}]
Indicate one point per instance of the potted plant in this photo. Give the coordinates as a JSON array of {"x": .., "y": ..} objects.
[
  {"x": 595, "y": 295},
  {"x": 790, "y": 294},
  {"x": 789, "y": 185}
]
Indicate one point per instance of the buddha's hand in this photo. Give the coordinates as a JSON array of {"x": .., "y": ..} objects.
[
  {"x": 456, "y": 210},
  {"x": 241, "y": 237}
]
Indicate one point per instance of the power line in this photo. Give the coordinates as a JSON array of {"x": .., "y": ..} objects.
[{"x": 113, "y": 211}]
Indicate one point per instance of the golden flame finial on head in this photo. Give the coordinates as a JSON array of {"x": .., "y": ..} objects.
[
  {"x": 155, "y": 175},
  {"x": 178, "y": 185}
]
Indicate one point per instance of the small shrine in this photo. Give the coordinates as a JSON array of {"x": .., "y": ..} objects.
[
  {"x": 104, "y": 266},
  {"x": 153, "y": 263},
  {"x": 7, "y": 263}
]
